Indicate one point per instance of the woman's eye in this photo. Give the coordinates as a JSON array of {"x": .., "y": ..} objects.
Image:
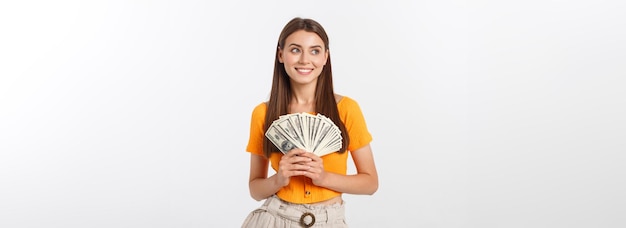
[
  {"x": 315, "y": 52},
  {"x": 295, "y": 50}
]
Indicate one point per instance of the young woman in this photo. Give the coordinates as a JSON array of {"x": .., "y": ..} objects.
[{"x": 306, "y": 189}]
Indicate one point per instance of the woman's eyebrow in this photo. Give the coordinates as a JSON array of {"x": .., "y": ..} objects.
[
  {"x": 300, "y": 46},
  {"x": 297, "y": 45}
]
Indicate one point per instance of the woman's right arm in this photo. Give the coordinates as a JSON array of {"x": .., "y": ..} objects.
[{"x": 261, "y": 187}]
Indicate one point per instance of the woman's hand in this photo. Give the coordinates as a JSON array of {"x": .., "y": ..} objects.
[
  {"x": 315, "y": 169},
  {"x": 296, "y": 162}
]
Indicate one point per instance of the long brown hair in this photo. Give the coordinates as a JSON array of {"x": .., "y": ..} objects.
[{"x": 281, "y": 93}]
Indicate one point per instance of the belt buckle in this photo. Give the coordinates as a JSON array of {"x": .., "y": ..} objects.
[{"x": 307, "y": 214}]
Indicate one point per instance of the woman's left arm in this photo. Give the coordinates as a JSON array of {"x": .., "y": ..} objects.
[{"x": 364, "y": 182}]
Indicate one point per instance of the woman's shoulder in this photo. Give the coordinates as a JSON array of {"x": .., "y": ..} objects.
[
  {"x": 343, "y": 100},
  {"x": 261, "y": 105},
  {"x": 260, "y": 109},
  {"x": 338, "y": 98},
  {"x": 347, "y": 104}
]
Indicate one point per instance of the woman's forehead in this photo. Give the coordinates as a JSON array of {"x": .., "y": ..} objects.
[{"x": 305, "y": 39}]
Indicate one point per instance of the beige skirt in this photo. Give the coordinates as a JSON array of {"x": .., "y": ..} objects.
[{"x": 278, "y": 213}]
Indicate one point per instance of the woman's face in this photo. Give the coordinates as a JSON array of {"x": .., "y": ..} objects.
[{"x": 304, "y": 56}]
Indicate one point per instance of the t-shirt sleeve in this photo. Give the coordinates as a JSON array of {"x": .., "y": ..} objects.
[
  {"x": 255, "y": 141},
  {"x": 355, "y": 125}
]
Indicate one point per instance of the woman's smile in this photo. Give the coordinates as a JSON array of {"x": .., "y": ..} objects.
[{"x": 304, "y": 71}]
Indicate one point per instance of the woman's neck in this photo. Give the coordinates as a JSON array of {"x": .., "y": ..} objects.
[{"x": 302, "y": 101}]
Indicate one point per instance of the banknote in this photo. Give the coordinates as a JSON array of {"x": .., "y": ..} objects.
[{"x": 314, "y": 133}]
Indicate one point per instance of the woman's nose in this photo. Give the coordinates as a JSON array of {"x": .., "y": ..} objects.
[{"x": 304, "y": 58}]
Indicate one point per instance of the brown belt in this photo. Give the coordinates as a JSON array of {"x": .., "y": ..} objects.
[{"x": 306, "y": 215}]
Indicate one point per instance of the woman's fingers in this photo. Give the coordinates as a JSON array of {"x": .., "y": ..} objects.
[
  {"x": 295, "y": 152},
  {"x": 299, "y": 162},
  {"x": 298, "y": 156}
]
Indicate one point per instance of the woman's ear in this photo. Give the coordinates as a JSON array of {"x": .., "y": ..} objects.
[
  {"x": 327, "y": 54},
  {"x": 280, "y": 55}
]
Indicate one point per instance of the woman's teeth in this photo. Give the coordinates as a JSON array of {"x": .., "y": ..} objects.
[{"x": 304, "y": 70}]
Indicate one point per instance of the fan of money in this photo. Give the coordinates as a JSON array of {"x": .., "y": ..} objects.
[{"x": 314, "y": 133}]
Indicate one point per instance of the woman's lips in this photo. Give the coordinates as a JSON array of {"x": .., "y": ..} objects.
[{"x": 304, "y": 70}]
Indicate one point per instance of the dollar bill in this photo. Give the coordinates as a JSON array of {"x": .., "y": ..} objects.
[{"x": 314, "y": 133}]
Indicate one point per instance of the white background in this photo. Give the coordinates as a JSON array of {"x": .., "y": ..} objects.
[{"x": 484, "y": 113}]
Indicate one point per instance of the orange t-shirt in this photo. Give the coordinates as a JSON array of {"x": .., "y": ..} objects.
[{"x": 300, "y": 188}]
